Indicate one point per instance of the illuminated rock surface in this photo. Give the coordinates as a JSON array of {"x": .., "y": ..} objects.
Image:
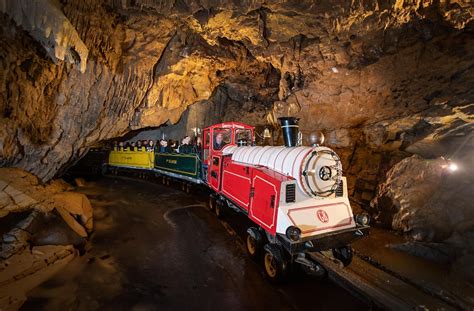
[{"x": 39, "y": 225}]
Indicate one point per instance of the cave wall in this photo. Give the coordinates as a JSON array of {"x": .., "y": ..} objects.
[
  {"x": 123, "y": 65},
  {"x": 143, "y": 69}
]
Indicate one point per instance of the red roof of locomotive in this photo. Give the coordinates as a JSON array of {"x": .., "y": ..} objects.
[{"x": 230, "y": 125}]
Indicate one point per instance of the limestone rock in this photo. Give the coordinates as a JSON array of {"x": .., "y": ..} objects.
[
  {"x": 76, "y": 204},
  {"x": 47, "y": 24},
  {"x": 71, "y": 222},
  {"x": 80, "y": 182},
  {"x": 28, "y": 269},
  {"x": 404, "y": 197},
  {"x": 348, "y": 65},
  {"x": 28, "y": 208},
  {"x": 428, "y": 203}
]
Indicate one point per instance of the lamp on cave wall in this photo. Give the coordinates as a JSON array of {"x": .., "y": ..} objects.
[
  {"x": 453, "y": 167},
  {"x": 449, "y": 165}
]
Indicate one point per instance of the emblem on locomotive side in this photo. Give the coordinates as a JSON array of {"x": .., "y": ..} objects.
[{"x": 322, "y": 216}]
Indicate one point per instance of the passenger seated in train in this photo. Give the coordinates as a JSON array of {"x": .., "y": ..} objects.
[
  {"x": 221, "y": 139},
  {"x": 120, "y": 146},
  {"x": 171, "y": 146},
  {"x": 186, "y": 146},
  {"x": 198, "y": 144},
  {"x": 139, "y": 146},
  {"x": 150, "y": 146},
  {"x": 163, "y": 145}
]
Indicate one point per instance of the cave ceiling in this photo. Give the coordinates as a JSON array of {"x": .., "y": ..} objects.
[{"x": 74, "y": 73}]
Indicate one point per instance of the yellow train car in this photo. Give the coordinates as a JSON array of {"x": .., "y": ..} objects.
[{"x": 133, "y": 159}]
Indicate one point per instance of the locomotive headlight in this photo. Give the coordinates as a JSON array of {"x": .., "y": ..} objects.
[
  {"x": 293, "y": 233},
  {"x": 362, "y": 219}
]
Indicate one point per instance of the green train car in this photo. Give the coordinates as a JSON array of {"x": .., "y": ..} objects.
[{"x": 183, "y": 166}]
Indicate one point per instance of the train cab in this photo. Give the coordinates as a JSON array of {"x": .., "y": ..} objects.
[{"x": 215, "y": 138}]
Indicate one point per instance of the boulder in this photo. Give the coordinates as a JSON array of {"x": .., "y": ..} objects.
[
  {"x": 75, "y": 204},
  {"x": 427, "y": 202},
  {"x": 37, "y": 214},
  {"x": 71, "y": 222},
  {"x": 406, "y": 192},
  {"x": 80, "y": 182}
]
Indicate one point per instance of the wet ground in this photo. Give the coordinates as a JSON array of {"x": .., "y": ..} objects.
[{"x": 157, "y": 248}]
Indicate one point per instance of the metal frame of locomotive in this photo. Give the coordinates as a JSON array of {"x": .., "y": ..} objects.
[{"x": 295, "y": 195}]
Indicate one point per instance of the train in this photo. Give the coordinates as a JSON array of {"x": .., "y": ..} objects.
[{"x": 295, "y": 196}]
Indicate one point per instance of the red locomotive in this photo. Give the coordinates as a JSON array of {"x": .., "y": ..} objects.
[{"x": 295, "y": 195}]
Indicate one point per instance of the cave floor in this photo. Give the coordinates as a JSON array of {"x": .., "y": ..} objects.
[
  {"x": 424, "y": 272},
  {"x": 432, "y": 278},
  {"x": 156, "y": 248}
]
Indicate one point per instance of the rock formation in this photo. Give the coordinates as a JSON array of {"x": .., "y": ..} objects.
[
  {"x": 384, "y": 79},
  {"x": 39, "y": 227}
]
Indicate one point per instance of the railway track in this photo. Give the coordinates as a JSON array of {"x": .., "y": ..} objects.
[{"x": 384, "y": 289}]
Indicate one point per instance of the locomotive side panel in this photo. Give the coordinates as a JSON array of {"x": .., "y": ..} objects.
[
  {"x": 236, "y": 182},
  {"x": 265, "y": 197}
]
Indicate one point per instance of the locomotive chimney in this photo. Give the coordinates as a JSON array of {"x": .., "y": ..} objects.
[{"x": 290, "y": 130}]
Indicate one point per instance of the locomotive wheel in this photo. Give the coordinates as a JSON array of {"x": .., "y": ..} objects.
[
  {"x": 251, "y": 246},
  {"x": 254, "y": 243},
  {"x": 274, "y": 264},
  {"x": 212, "y": 202},
  {"x": 343, "y": 254}
]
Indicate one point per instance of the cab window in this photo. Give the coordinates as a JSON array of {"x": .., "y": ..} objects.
[
  {"x": 243, "y": 137},
  {"x": 221, "y": 138}
]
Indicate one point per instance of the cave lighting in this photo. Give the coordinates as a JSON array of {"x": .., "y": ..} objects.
[
  {"x": 449, "y": 165},
  {"x": 453, "y": 167}
]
